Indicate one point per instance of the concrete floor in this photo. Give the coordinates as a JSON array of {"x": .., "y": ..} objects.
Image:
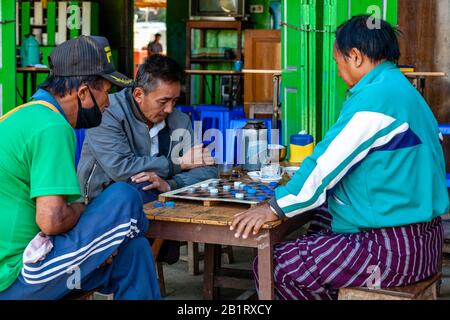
[{"x": 182, "y": 286}]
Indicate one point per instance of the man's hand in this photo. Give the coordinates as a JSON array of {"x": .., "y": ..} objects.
[
  {"x": 196, "y": 157},
  {"x": 109, "y": 260},
  {"x": 155, "y": 181},
  {"x": 252, "y": 220}
]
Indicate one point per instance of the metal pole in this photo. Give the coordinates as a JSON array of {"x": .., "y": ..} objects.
[{"x": 276, "y": 100}]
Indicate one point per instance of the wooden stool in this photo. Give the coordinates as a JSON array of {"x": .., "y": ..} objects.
[
  {"x": 423, "y": 290},
  {"x": 446, "y": 247},
  {"x": 216, "y": 277}
]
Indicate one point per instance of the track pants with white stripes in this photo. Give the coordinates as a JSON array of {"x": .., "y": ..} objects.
[
  {"x": 113, "y": 221},
  {"x": 316, "y": 265}
]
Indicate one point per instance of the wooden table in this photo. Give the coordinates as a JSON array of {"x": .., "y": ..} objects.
[
  {"x": 33, "y": 73},
  {"x": 418, "y": 79},
  {"x": 191, "y": 221}
]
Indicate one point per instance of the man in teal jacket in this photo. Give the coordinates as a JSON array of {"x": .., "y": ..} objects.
[{"x": 380, "y": 169}]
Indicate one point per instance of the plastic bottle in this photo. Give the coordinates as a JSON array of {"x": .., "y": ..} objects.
[{"x": 302, "y": 146}]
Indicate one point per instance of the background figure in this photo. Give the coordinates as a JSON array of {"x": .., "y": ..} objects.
[{"x": 155, "y": 47}]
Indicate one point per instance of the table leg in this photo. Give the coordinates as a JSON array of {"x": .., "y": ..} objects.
[
  {"x": 265, "y": 267},
  {"x": 24, "y": 87},
  {"x": 210, "y": 259},
  {"x": 422, "y": 85},
  {"x": 193, "y": 258},
  {"x": 33, "y": 82}
]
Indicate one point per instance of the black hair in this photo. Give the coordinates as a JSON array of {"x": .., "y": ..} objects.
[
  {"x": 156, "y": 68},
  {"x": 375, "y": 38},
  {"x": 61, "y": 86},
  {"x": 157, "y": 35}
]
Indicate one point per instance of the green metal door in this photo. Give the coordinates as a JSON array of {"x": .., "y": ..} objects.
[
  {"x": 312, "y": 92},
  {"x": 7, "y": 56},
  {"x": 295, "y": 111},
  {"x": 335, "y": 13}
]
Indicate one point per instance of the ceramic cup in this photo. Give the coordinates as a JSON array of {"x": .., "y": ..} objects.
[{"x": 271, "y": 171}]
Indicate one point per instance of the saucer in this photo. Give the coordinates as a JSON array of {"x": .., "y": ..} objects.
[
  {"x": 255, "y": 175},
  {"x": 269, "y": 180}
]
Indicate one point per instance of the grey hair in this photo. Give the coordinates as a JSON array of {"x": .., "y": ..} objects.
[{"x": 157, "y": 68}]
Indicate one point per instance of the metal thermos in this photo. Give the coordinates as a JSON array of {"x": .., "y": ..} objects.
[{"x": 253, "y": 143}]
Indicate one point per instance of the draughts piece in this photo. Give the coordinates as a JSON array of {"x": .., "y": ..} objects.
[{"x": 204, "y": 186}]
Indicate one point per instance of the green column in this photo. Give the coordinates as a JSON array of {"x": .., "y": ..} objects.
[
  {"x": 75, "y": 31},
  {"x": 51, "y": 23},
  {"x": 177, "y": 14},
  {"x": 94, "y": 19},
  {"x": 25, "y": 8},
  {"x": 7, "y": 56}
]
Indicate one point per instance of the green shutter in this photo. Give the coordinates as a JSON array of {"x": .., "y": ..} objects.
[
  {"x": 7, "y": 56},
  {"x": 51, "y": 23},
  {"x": 294, "y": 113},
  {"x": 312, "y": 92}
]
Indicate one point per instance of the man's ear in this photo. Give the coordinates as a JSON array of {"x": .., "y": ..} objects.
[
  {"x": 83, "y": 92},
  {"x": 356, "y": 58},
  {"x": 138, "y": 95}
]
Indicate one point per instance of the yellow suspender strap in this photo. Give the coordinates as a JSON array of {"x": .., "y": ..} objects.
[{"x": 38, "y": 102}]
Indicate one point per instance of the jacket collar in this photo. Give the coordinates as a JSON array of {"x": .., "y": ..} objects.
[
  {"x": 371, "y": 76},
  {"x": 46, "y": 96},
  {"x": 134, "y": 107}
]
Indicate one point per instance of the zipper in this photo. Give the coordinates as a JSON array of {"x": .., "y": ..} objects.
[{"x": 86, "y": 187}]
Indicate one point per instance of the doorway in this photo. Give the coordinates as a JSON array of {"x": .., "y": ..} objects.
[{"x": 149, "y": 20}]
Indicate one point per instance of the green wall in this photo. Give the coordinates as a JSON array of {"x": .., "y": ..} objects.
[
  {"x": 116, "y": 23},
  {"x": 177, "y": 14},
  {"x": 261, "y": 20}
]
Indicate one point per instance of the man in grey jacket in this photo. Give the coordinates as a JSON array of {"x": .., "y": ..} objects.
[{"x": 142, "y": 138}]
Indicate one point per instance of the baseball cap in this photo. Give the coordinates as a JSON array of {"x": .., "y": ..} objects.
[{"x": 86, "y": 56}]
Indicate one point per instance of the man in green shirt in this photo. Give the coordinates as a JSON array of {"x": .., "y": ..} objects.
[{"x": 50, "y": 245}]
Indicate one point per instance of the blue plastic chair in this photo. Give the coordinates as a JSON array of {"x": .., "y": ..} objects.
[
  {"x": 445, "y": 130},
  {"x": 190, "y": 111},
  {"x": 216, "y": 120},
  {"x": 79, "y": 134},
  {"x": 235, "y": 113}
]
